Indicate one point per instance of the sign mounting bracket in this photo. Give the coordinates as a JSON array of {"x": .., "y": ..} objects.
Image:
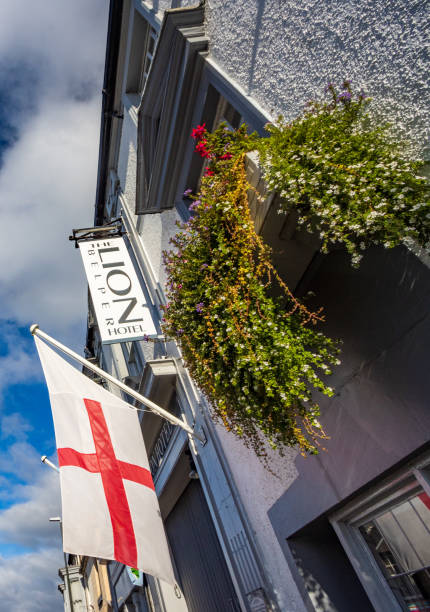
[{"x": 113, "y": 229}]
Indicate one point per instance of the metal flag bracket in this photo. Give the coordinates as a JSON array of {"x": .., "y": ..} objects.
[{"x": 35, "y": 331}]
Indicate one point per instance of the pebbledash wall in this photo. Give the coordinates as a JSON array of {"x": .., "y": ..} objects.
[
  {"x": 257, "y": 489},
  {"x": 149, "y": 236},
  {"x": 154, "y": 231},
  {"x": 284, "y": 52},
  {"x": 274, "y": 55}
]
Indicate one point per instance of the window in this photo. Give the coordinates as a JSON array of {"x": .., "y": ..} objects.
[
  {"x": 387, "y": 537},
  {"x": 143, "y": 42},
  {"x": 166, "y": 109},
  {"x": 133, "y": 358},
  {"x": 112, "y": 199},
  {"x": 151, "y": 40},
  {"x": 225, "y": 112},
  {"x": 217, "y": 109},
  {"x": 162, "y": 442},
  {"x": 400, "y": 542}
]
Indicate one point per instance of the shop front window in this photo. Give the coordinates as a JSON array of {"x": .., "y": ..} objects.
[
  {"x": 386, "y": 534},
  {"x": 400, "y": 542}
]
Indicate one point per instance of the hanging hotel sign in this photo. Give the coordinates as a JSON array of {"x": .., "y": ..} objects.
[{"x": 121, "y": 309}]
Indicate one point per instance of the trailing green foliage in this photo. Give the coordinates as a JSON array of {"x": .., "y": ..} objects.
[
  {"x": 260, "y": 360},
  {"x": 350, "y": 182},
  {"x": 256, "y": 358}
]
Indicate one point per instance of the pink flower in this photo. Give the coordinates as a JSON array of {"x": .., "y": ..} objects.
[
  {"x": 226, "y": 156},
  {"x": 198, "y": 132},
  {"x": 202, "y": 150}
]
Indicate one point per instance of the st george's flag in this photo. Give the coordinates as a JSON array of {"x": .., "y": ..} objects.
[{"x": 109, "y": 506}]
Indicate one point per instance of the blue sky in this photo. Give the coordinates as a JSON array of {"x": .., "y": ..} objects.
[{"x": 51, "y": 70}]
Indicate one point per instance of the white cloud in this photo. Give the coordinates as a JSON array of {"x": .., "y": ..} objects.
[
  {"x": 29, "y": 582},
  {"x": 17, "y": 363},
  {"x": 52, "y": 55},
  {"x": 51, "y": 69},
  {"x": 21, "y": 460},
  {"x": 14, "y": 425},
  {"x": 26, "y": 523},
  {"x": 63, "y": 40},
  {"x": 47, "y": 187}
]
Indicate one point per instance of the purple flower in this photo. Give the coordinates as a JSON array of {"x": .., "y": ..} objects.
[
  {"x": 328, "y": 87},
  {"x": 187, "y": 192},
  {"x": 203, "y": 266},
  {"x": 179, "y": 332},
  {"x": 194, "y": 205},
  {"x": 344, "y": 96},
  {"x": 199, "y": 307}
]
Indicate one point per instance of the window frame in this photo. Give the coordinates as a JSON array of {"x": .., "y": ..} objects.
[
  {"x": 143, "y": 26},
  {"x": 165, "y": 109},
  {"x": 347, "y": 520},
  {"x": 250, "y": 113}
]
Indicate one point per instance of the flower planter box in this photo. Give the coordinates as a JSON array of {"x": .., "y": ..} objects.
[{"x": 293, "y": 248}]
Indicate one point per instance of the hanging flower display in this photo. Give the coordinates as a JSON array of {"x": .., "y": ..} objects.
[
  {"x": 259, "y": 360},
  {"x": 349, "y": 181}
]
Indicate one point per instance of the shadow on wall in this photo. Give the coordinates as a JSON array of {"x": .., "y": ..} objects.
[
  {"x": 257, "y": 37},
  {"x": 327, "y": 574}
]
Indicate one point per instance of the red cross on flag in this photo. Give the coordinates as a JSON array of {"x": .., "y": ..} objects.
[{"x": 109, "y": 505}]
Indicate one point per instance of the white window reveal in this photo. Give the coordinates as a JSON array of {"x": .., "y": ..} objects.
[
  {"x": 121, "y": 309},
  {"x": 151, "y": 40},
  {"x": 112, "y": 199},
  {"x": 142, "y": 49}
]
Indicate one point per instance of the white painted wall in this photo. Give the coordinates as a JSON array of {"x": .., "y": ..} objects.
[
  {"x": 284, "y": 52},
  {"x": 155, "y": 229},
  {"x": 127, "y": 159},
  {"x": 259, "y": 490}
]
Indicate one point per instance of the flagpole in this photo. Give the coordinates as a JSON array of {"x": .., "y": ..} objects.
[
  {"x": 44, "y": 459},
  {"x": 34, "y": 329}
]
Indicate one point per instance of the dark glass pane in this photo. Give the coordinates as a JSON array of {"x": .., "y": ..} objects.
[
  {"x": 232, "y": 116},
  {"x": 151, "y": 45}
]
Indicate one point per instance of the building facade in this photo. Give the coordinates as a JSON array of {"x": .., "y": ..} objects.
[
  {"x": 72, "y": 588},
  {"x": 86, "y": 585},
  {"x": 347, "y": 530}
]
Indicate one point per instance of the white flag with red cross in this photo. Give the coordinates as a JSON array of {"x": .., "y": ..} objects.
[{"x": 109, "y": 505}]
